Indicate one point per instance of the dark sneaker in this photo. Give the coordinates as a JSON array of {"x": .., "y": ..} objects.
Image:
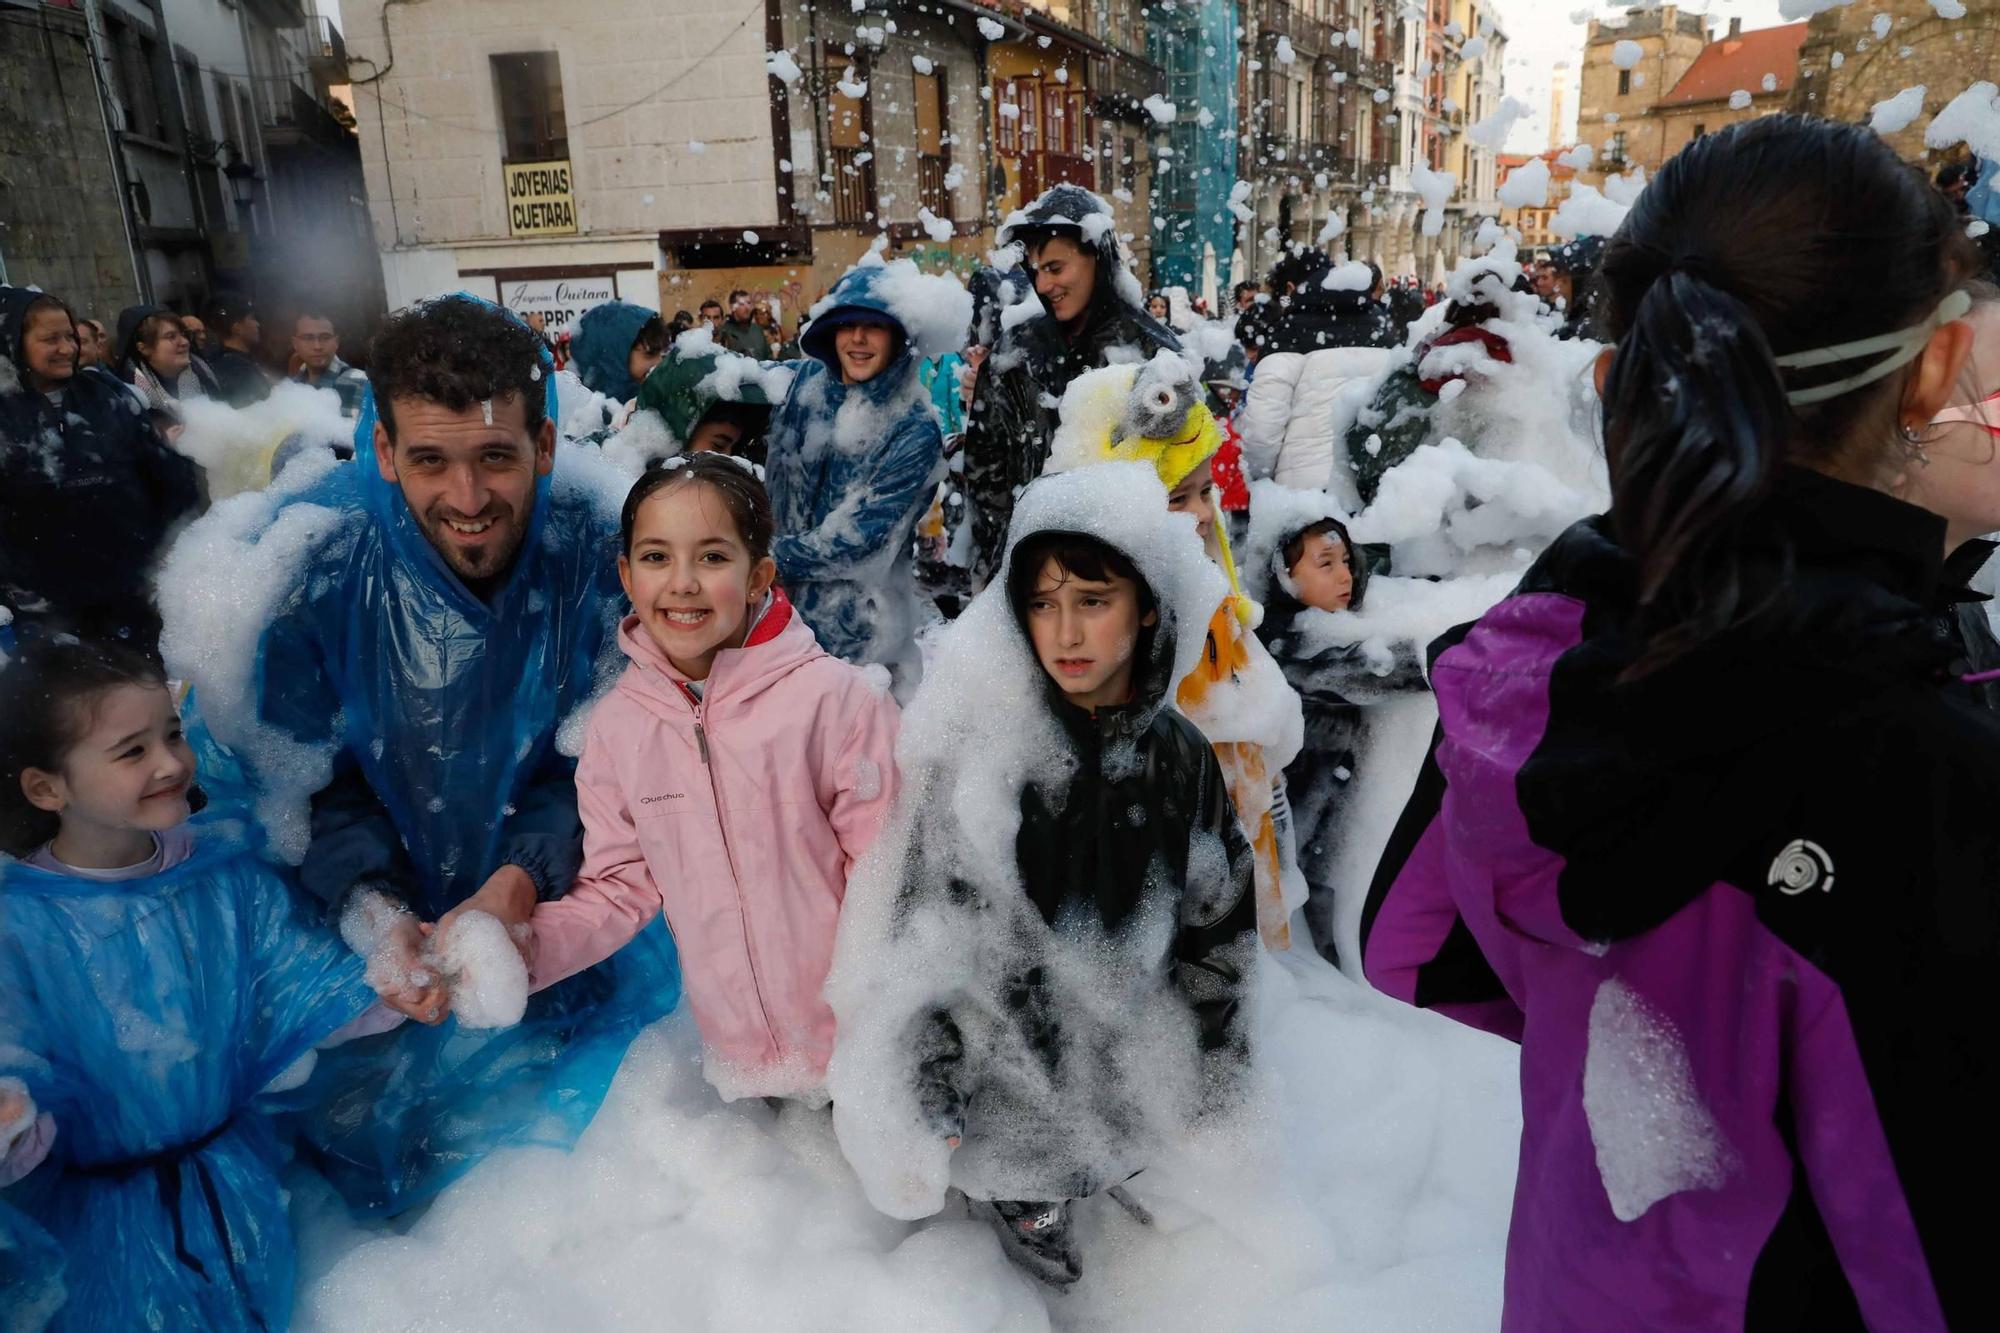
[{"x": 1038, "y": 1237}]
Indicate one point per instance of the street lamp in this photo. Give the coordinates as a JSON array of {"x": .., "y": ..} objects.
[{"x": 242, "y": 183}]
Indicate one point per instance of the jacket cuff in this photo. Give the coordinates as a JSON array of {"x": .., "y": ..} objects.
[{"x": 533, "y": 861}]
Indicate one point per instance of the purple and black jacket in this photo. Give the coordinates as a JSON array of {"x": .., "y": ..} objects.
[{"x": 1742, "y": 914}]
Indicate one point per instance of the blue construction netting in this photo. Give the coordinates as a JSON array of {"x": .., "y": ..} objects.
[{"x": 1194, "y": 43}]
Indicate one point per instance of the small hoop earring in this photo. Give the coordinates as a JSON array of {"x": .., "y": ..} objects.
[{"x": 1913, "y": 445}]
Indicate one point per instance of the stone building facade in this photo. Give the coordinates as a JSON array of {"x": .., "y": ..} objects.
[
  {"x": 62, "y": 224},
  {"x": 1614, "y": 104},
  {"x": 1845, "y": 67}
]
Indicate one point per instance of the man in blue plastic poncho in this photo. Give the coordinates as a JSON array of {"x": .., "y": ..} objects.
[{"x": 436, "y": 639}]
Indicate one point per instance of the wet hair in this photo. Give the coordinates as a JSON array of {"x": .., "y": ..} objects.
[
  {"x": 1952, "y": 173},
  {"x": 1301, "y": 267},
  {"x": 1295, "y": 545},
  {"x": 653, "y": 338},
  {"x": 1243, "y": 287},
  {"x": 1081, "y": 556},
  {"x": 226, "y": 312},
  {"x": 457, "y": 352},
  {"x": 1768, "y": 237},
  {"x": 741, "y": 493},
  {"x": 48, "y": 697}
]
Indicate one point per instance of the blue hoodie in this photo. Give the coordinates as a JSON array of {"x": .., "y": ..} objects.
[
  {"x": 600, "y": 347},
  {"x": 851, "y": 471},
  {"x": 443, "y": 710}
]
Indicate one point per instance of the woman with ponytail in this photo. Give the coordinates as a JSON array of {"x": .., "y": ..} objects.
[{"x": 1709, "y": 823}]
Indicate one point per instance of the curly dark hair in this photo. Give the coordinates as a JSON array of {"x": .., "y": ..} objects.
[{"x": 457, "y": 351}]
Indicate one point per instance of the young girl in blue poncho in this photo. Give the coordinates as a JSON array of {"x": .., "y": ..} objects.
[{"x": 155, "y": 978}]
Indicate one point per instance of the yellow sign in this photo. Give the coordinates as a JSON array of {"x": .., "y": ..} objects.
[{"x": 539, "y": 201}]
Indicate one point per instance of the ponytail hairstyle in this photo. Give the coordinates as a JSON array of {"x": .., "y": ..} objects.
[
  {"x": 47, "y": 697},
  {"x": 1767, "y": 238}
]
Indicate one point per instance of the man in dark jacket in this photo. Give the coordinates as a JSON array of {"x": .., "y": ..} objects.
[
  {"x": 89, "y": 492},
  {"x": 741, "y": 332},
  {"x": 234, "y": 323},
  {"x": 1575, "y": 267},
  {"x": 1309, "y": 315},
  {"x": 1090, "y": 305}
]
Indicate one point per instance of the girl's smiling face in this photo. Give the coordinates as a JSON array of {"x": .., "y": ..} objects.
[
  {"x": 127, "y": 775},
  {"x": 691, "y": 577}
]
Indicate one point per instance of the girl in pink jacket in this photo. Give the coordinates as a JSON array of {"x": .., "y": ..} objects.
[{"x": 731, "y": 779}]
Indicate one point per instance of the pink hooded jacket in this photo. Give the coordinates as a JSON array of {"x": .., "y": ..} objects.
[{"x": 740, "y": 814}]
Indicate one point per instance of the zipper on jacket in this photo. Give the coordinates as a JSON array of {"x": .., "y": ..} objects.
[{"x": 735, "y": 878}]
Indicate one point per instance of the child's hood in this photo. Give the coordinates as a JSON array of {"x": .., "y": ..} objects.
[
  {"x": 601, "y": 347},
  {"x": 779, "y": 644},
  {"x": 929, "y": 312},
  {"x": 14, "y": 303},
  {"x": 1279, "y": 513},
  {"x": 1124, "y": 506},
  {"x": 698, "y": 372}
]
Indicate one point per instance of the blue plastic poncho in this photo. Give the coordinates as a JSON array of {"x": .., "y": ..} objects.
[
  {"x": 851, "y": 471},
  {"x": 444, "y": 710},
  {"x": 145, "y": 1016}
]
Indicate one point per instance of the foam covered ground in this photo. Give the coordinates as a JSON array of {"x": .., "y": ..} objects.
[{"x": 1368, "y": 1190}]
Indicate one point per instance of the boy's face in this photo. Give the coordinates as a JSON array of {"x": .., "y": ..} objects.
[
  {"x": 1065, "y": 276},
  {"x": 639, "y": 362},
  {"x": 1196, "y": 495},
  {"x": 863, "y": 350},
  {"x": 1321, "y": 573},
  {"x": 1085, "y": 633},
  {"x": 130, "y": 771},
  {"x": 715, "y": 437},
  {"x": 48, "y": 346}
]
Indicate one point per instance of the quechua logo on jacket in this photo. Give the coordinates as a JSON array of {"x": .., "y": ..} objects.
[{"x": 1803, "y": 866}]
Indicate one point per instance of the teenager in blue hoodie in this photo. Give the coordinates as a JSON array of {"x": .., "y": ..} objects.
[{"x": 855, "y": 456}]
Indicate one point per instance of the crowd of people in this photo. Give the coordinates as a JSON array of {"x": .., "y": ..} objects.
[{"x": 908, "y": 709}]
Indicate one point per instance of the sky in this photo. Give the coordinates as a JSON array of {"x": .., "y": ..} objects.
[{"x": 1541, "y": 33}]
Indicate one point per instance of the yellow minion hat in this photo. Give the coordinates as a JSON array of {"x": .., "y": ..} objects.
[{"x": 1173, "y": 459}]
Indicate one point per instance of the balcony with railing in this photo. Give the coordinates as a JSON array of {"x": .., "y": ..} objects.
[
  {"x": 326, "y": 51},
  {"x": 1275, "y": 18},
  {"x": 850, "y": 184},
  {"x": 1120, "y": 84},
  {"x": 931, "y": 190}
]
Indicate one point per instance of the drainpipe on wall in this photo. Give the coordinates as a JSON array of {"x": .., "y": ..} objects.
[{"x": 93, "y": 41}]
